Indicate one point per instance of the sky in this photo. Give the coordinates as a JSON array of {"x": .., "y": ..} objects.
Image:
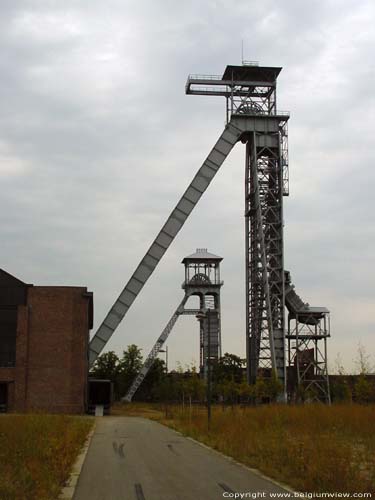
[{"x": 98, "y": 141}]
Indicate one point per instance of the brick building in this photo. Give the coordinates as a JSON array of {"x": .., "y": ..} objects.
[{"x": 44, "y": 335}]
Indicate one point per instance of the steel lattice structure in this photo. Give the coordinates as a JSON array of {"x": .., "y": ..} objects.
[
  {"x": 254, "y": 119},
  {"x": 202, "y": 279},
  {"x": 250, "y": 93}
]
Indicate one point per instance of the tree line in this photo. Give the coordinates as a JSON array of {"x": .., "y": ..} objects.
[{"x": 228, "y": 380}]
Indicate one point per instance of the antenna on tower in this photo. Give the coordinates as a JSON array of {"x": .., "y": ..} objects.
[{"x": 242, "y": 51}]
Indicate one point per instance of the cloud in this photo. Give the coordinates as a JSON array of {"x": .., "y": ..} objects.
[{"x": 98, "y": 142}]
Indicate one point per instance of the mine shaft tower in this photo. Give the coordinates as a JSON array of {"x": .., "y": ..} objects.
[
  {"x": 202, "y": 279},
  {"x": 250, "y": 92},
  {"x": 252, "y": 117}
]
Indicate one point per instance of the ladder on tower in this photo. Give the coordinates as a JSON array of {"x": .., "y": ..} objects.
[{"x": 231, "y": 134}]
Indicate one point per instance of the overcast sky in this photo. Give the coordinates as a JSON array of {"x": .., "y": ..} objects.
[{"x": 98, "y": 141}]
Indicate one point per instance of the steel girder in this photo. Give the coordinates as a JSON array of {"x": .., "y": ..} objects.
[{"x": 265, "y": 289}]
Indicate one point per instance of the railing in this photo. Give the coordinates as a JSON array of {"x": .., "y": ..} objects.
[
  {"x": 204, "y": 77},
  {"x": 212, "y": 283},
  {"x": 217, "y": 90},
  {"x": 262, "y": 112},
  {"x": 250, "y": 63}
]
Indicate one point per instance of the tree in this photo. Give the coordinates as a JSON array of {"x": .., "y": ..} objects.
[
  {"x": 340, "y": 389},
  {"x": 129, "y": 366},
  {"x": 107, "y": 366},
  {"x": 363, "y": 390},
  {"x": 274, "y": 387},
  {"x": 194, "y": 386},
  {"x": 166, "y": 391},
  {"x": 363, "y": 360},
  {"x": 268, "y": 389},
  {"x": 246, "y": 392},
  {"x": 230, "y": 391},
  {"x": 154, "y": 377},
  {"x": 228, "y": 367},
  {"x": 339, "y": 365}
]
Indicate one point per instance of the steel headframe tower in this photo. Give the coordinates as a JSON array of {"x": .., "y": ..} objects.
[
  {"x": 250, "y": 92},
  {"x": 202, "y": 279}
]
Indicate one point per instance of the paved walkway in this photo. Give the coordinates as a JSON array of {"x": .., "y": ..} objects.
[{"x": 132, "y": 458}]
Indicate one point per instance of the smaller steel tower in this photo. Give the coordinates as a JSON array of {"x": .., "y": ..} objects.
[
  {"x": 307, "y": 334},
  {"x": 202, "y": 278}
]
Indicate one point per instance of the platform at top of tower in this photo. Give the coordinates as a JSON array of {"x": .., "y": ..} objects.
[
  {"x": 202, "y": 255},
  {"x": 251, "y": 73}
]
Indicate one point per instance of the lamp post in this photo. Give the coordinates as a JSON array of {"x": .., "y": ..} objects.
[
  {"x": 202, "y": 316},
  {"x": 166, "y": 357}
]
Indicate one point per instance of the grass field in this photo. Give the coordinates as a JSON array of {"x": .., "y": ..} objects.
[
  {"x": 312, "y": 448},
  {"x": 37, "y": 453}
]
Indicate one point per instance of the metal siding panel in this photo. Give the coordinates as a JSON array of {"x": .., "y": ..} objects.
[
  {"x": 150, "y": 261},
  {"x": 192, "y": 195},
  {"x": 142, "y": 273},
  {"x": 185, "y": 205},
  {"x": 173, "y": 226},
  {"x": 111, "y": 321},
  {"x": 270, "y": 141},
  {"x": 97, "y": 344},
  {"x": 216, "y": 157},
  {"x": 207, "y": 171},
  {"x": 127, "y": 297},
  {"x": 120, "y": 308},
  {"x": 200, "y": 183},
  {"x": 230, "y": 136},
  {"x": 224, "y": 147},
  {"x": 156, "y": 251},
  {"x": 134, "y": 286},
  {"x": 164, "y": 240}
]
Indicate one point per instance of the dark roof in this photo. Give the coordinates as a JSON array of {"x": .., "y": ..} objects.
[
  {"x": 12, "y": 290},
  {"x": 202, "y": 255},
  {"x": 251, "y": 73},
  {"x": 7, "y": 280}
]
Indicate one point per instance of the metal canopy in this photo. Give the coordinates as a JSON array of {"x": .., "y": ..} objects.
[
  {"x": 202, "y": 255},
  {"x": 251, "y": 73}
]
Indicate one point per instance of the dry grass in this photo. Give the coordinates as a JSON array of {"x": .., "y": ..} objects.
[
  {"x": 312, "y": 448},
  {"x": 153, "y": 412},
  {"x": 37, "y": 453}
]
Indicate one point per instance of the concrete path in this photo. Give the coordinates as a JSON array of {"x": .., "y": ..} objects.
[{"x": 132, "y": 458}]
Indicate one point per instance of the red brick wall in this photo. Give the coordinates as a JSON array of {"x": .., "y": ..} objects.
[
  {"x": 57, "y": 349},
  {"x": 51, "y": 352}
]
